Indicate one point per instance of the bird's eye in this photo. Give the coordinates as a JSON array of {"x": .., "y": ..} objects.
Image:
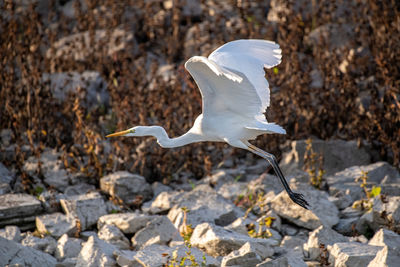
[{"x": 132, "y": 131}]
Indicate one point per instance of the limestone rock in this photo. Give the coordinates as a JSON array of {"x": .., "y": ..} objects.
[
  {"x": 51, "y": 167},
  {"x": 78, "y": 46},
  {"x": 164, "y": 202},
  {"x": 345, "y": 225},
  {"x": 18, "y": 205},
  {"x": 279, "y": 262},
  {"x": 352, "y": 254},
  {"x": 126, "y": 186},
  {"x": 217, "y": 241},
  {"x": 379, "y": 173},
  {"x": 68, "y": 247},
  {"x": 87, "y": 208},
  {"x": 79, "y": 189},
  {"x": 15, "y": 254},
  {"x": 249, "y": 254},
  {"x": 204, "y": 205},
  {"x": 63, "y": 83},
  {"x": 265, "y": 183},
  {"x": 338, "y": 155},
  {"x": 232, "y": 190},
  {"x": 160, "y": 231},
  {"x": 321, "y": 235},
  {"x": 11, "y": 232},
  {"x": 56, "y": 224},
  {"x": 96, "y": 252},
  {"x": 322, "y": 211},
  {"x": 113, "y": 235},
  {"x": 6, "y": 177},
  {"x": 381, "y": 215},
  {"x": 68, "y": 262},
  {"x": 241, "y": 258},
  {"x": 46, "y": 244},
  {"x": 149, "y": 256},
  {"x": 129, "y": 223},
  {"x": 337, "y": 36},
  {"x": 390, "y": 254}
]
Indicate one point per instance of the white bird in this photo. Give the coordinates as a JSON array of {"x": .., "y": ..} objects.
[{"x": 235, "y": 94}]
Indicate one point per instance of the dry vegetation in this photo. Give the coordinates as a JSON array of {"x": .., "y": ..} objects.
[{"x": 360, "y": 103}]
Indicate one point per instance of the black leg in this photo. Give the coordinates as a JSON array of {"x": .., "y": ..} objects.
[{"x": 295, "y": 197}]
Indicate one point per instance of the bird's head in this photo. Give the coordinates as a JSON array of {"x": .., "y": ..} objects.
[{"x": 134, "y": 131}]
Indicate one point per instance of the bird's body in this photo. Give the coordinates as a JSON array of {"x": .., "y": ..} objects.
[{"x": 235, "y": 95}]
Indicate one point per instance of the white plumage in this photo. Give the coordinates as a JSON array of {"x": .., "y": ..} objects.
[{"x": 235, "y": 94}]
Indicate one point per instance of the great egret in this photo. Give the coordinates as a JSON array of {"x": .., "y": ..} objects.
[{"x": 235, "y": 94}]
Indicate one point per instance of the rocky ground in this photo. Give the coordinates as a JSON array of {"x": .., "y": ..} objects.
[{"x": 238, "y": 216}]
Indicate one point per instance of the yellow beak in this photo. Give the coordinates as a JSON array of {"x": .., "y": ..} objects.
[{"x": 122, "y": 133}]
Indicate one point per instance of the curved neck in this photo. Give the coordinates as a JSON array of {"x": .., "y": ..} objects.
[{"x": 164, "y": 141}]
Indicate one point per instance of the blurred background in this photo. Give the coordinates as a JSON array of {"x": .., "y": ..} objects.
[{"x": 73, "y": 71}]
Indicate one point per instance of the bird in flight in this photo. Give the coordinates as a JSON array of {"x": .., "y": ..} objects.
[{"x": 235, "y": 95}]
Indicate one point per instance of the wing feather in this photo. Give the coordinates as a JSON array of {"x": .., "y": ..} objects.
[
  {"x": 249, "y": 57},
  {"x": 232, "y": 78}
]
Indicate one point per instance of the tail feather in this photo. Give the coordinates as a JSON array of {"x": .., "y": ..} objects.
[{"x": 267, "y": 127}]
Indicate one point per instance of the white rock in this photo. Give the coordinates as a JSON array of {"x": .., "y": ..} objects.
[
  {"x": 390, "y": 254},
  {"x": 321, "y": 235},
  {"x": 321, "y": 211},
  {"x": 374, "y": 220},
  {"x": 63, "y": 83},
  {"x": 279, "y": 262},
  {"x": 338, "y": 155},
  {"x": 149, "y": 256},
  {"x": 241, "y": 258},
  {"x": 223, "y": 176},
  {"x": 164, "y": 202},
  {"x": 263, "y": 250},
  {"x": 79, "y": 189},
  {"x": 68, "y": 262},
  {"x": 293, "y": 242},
  {"x": 87, "y": 208},
  {"x": 385, "y": 257},
  {"x": 217, "y": 241},
  {"x": 6, "y": 177},
  {"x": 345, "y": 225},
  {"x": 126, "y": 186},
  {"x": 352, "y": 254},
  {"x": 158, "y": 188},
  {"x": 18, "y": 206},
  {"x": 378, "y": 173},
  {"x": 160, "y": 231},
  {"x": 67, "y": 247},
  {"x": 129, "y": 223},
  {"x": 265, "y": 183},
  {"x": 56, "y": 224},
  {"x": 11, "y": 232},
  {"x": 15, "y": 254},
  {"x": 337, "y": 36},
  {"x": 204, "y": 205},
  {"x": 46, "y": 244},
  {"x": 78, "y": 46},
  {"x": 96, "y": 252},
  {"x": 233, "y": 190},
  {"x": 113, "y": 235},
  {"x": 52, "y": 168}
]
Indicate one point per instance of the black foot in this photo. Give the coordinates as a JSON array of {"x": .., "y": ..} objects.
[{"x": 299, "y": 199}]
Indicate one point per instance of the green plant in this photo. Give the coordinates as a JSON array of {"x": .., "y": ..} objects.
[
  {"x": 186, "y": 231},
  {"x": 366, "y": 203},
  {"x": 263, "y": 228},
  {"x": 313, "y": 165}
]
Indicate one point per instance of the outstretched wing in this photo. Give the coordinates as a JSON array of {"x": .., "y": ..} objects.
[{"x": 232, "y": 78}]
